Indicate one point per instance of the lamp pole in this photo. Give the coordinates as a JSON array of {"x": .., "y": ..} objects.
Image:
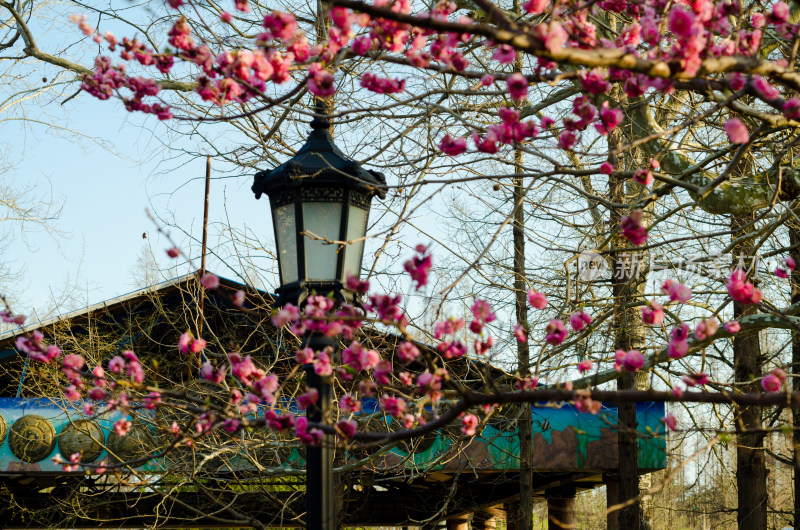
[{"x": 319, "y": 191}]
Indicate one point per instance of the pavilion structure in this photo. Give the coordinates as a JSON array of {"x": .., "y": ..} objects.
[{"x": 441, "y": 478}]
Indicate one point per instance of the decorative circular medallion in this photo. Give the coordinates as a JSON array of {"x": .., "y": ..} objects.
[
  {"x": 2, "y": 429},
  {"x": 138, "y": 443},
  {"x": 81, "y": 436},
  {"x": 32, "y": 438}
]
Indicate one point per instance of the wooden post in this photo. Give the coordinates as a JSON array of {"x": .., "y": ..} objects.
[
  {"x": 487, "y": 518},
  {"x": 512, "y": 515},
  {"x": 612, "y": 499},
  {"x": 459, "y": 522},
  {"x": 561, "y": 508}
]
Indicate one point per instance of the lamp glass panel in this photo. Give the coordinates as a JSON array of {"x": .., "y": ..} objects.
[
  {"x": 323, "y": 219},
  {"x": 356, "y": 229},
  {"x": 286, "y": 230}
]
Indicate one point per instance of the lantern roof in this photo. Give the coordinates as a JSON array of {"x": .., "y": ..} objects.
[{"x": 320, "y": 163}]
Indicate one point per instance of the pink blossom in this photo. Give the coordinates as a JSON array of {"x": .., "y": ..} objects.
[
  {"x": 173, "y": 252},
  {"x": 418, "y": 267},
  {"x": 742, "y": 290},
  {"x": 320, "y": 81},
  {"x": 452, "y": 349},
  {"x": 225, "y": 17},
  {"x": 682, "y": 22},
  {"x": 695, "y": 379},
  {"x": 346, "y": 428},
  {"x": 643, "y": 176},
  {"x": 553, "y": 35},
  {"x": 382, "y": 372},
  {"x": 732, "y": 326},
  {"x": 388, "y": 309},
  {"x": 382, "y": 85},
  {"x": 632, "y": 228},
  {"x": 393, "y": 406},
  {"x": 520, "y": 333},
  {"x": 304, "y": 356},
  {"x": 606, "y": 168},
  {"x": 7, "y": 317},
  {"x": 680, "y": 332},
  {"x": 428, "y": 382},
  {"x": 609, "y": 119},
  {"x": 197, "y": 346},
  {"x": 179, "y": 35},
  {"x": 670, "y": 421},
  {"x": 116, "y": 365},
  {"x": 595, "y": 81},
  {"x": 482, "y": 311},
  {"x": 209, "y": 281},
  {"x": 362, "y": 45},
  {"x": 677, "y": 291},
  {"x": 356, "y": 284},
  {"x": 451, "y": 146},
  {"x": 349, "y": 404},
  {"x": 360, "y": 358},
  {"x": 342, "y": 17},
  {"x": 782, "y": 271},
  {"x": 556, "y": 332},
  {"x": 584, "y": 403},
  {"x": 706, "y": 329},
  {"x": 407, "y": 352},
  {"x": 285, "y": 315},
  {"x": 634, "y": 360},
  {"x": 121, "y": 427},
  {"x": 308, "y": 399},
  {"x": 676, "y": 349},
  {"x": 791, "y": 108},
  {"x": 71, "y": 393},
  {"x": 282, "y": 422},
  {"x": 770, "y": 383},
  {"x": 653, "y": 313},
  {"x": 579, "y": 320},
  {"x": 306, "y": 436},
  {"x": 737, "y": 131},
  {"x": 487, "y": 80},
  {"x": 780, "y": 13},
  {"x": 322, "y": 364},
  {"x": 567, "y": 139},
  {"x": 469, "y": 424},
  {"x": 74, "y": 362},
  {"x": 481, "y": 347},
  {"x": 185, "y": 342},
  {"x": 536, "y": 299},
  {"x": 280, "y": 25},
  {"x": 584, "y": 366},
  {"x": 208, "y": 373},
  {"x": 517, "y": 86},
  {"x": 534, "y": 7},
  {"x": 505, "y": 54}
]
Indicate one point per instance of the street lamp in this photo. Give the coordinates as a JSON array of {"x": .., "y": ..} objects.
[{"x": 319, "y": 197}]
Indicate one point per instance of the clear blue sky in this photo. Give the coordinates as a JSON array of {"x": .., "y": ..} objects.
[{"x": 104, "y": 192}]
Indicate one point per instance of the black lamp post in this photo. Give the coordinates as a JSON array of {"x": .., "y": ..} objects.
[{"x": 317, "y": 197}]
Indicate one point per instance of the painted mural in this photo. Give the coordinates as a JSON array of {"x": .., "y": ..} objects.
[{"x": 36, "y": 430}]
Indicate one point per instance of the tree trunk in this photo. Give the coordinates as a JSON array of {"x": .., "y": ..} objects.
[
  {"x": 751, "y": 472},
  {"x": 627, "y": 285},
  {"x": 526, "y": 499},
  {"x": 794, "y": 239}
]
